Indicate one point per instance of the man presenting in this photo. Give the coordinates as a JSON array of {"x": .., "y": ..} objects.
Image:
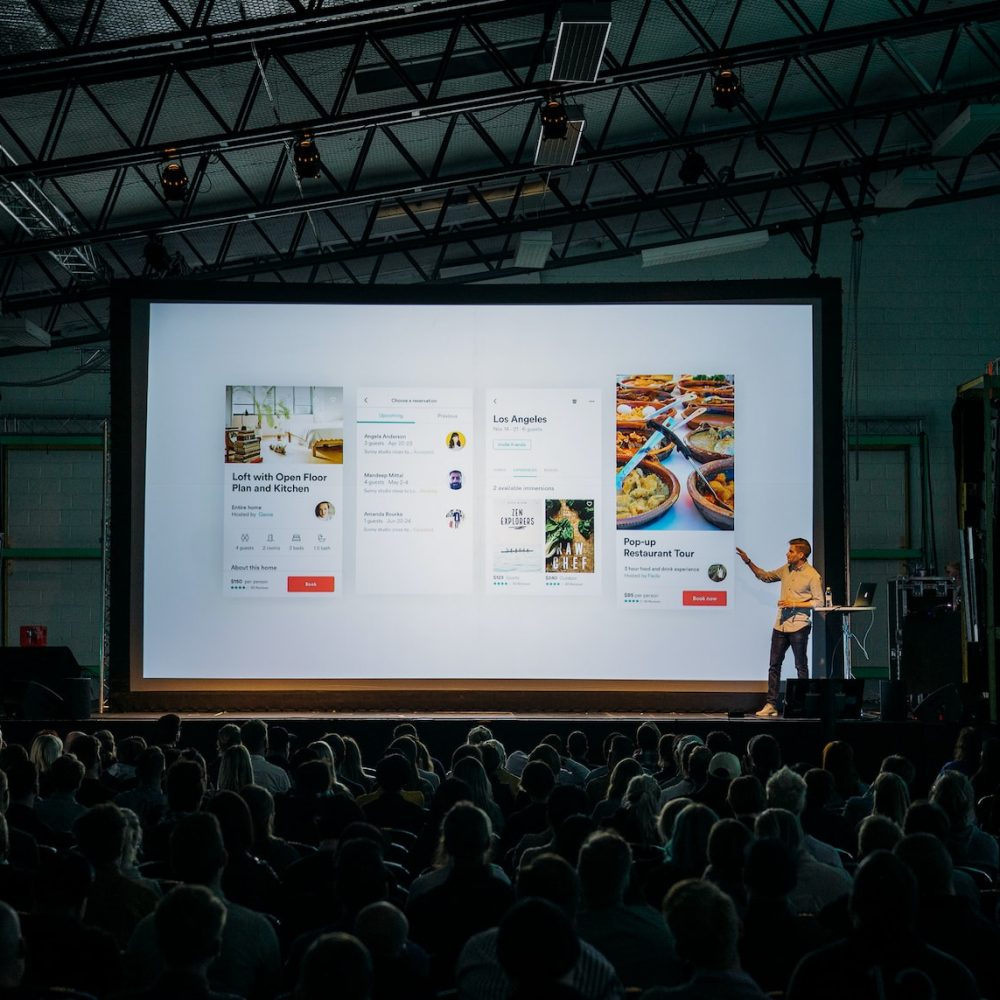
[{"x": 800, "y": 593}]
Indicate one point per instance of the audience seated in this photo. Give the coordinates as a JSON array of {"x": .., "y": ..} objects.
[
  {"x": 472, "y": 896},
  {"x": 632, "y": 936},
  {"x": 249, "y": 961},
  {"x": 703, "y": 921},
  {"x": 480, "y": 974},
  {"x": 883, "y": 956},
  {"x": 414, "y": 904},
  {"x": 189, "y": 925},
  {"x": 400, "y": 967}
]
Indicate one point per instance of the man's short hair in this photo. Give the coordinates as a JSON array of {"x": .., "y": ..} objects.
[
  {"x": 149, "y": 766},
  {"x": 537, "y": 780},
  {"x": 22, "y": 779},
  {"x": 66, "y": 773},
  {"x": 383, "y": 929},
  {"x": 553, "y": 878},
  {"x": 647, "y": 736},
  {"x": 703, "y": 921},
  {"x": 884, "y": 897},
  {"x": 929, "y": 861},
  {"x": 228, "y": 735},
  {"x": 167, "y": 728},
  {"x": 877, "y": 833},
  {"x": 466, "y": 832},
  {"x": 100, "y": 834},
  {"x": 185, "y": 786},
  {"x": 802, "y": 545},
  {"x": 478, "y": 734},
  {"x": 536, "y": 943},
  {"x": 786, "y": 790},
  {"x": 335, "y": 958},
  {"x": 746, "y": 795},
  {"x": 547, "y": 755},
  {"x": 254, "y": 735},
  {"x": 604, "y": 867},
  {"x": 197, "y": 853},
  {"x": 189, "y": 921}
]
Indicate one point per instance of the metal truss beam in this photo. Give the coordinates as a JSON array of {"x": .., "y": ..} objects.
[
  {"x": 198, "y": 44},
  {"x": 756, "y": 130},
  {"x": 824, "y": 179},
  {"x": 793, "y": 48}
]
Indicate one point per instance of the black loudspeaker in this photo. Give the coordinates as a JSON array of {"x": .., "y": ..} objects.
[
  {"x": 942, "y": 705},
  {"x": 76, "y": 697},
  {"x": 39, "y": 702},
  {"x": 892, "y": 701},
  {"x": 824, "y": 698},
  {"x": 36, "y": 681},
  {"x": 931, "y": 650}
]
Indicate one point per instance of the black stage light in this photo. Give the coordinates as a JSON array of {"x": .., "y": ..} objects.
[
  {"x": 727, "y": 89},
  {"x": 306, "y": 157},
  {"x": 554, "y": 120},
  {"x": 692, "y": 168},
  {"x": 156, "y": 256},
  {"x": 173, "y": 178}
]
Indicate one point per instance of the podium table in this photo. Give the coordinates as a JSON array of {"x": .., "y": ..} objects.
[{"x": 846, "y": 612}]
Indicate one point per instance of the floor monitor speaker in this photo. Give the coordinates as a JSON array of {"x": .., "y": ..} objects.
[
  {"x": 824, "y": 698},
  {"x": 942, "y": 705}
]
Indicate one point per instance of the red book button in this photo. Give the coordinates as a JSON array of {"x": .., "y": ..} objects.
[
  {"x": 310, "y": 584},
  {"x": 705, "y": 598}
]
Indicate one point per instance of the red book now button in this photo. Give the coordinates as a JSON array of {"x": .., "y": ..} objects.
[
  {"x": 308, "y": 584},
  {"x": 704, "y": 598}
]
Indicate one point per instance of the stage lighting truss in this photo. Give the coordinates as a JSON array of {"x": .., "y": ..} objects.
[
  {"x": 727, "y": 89},
  {"x": 306, "y": 157},
  {"x": 173, "y": 177}
]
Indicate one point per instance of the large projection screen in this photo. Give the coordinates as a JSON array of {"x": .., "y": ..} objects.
[{"x": 408, "y": 489}]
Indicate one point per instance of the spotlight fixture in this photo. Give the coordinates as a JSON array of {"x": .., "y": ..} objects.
[
  {"x": 554, "y": 119},
  {"x": 726, "y": 88},
  {"x": 156, "y": 256},
  {"x": 173, "y": 177},
  {"x": 305, "y": 155},
  {"x": 692, "y": 168}
]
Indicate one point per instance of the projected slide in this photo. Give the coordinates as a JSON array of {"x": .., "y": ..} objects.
[
  {"x": 414, "y": 488},
  {"x": 493, "y": 491},
  {"x": 283, "y": 489},
  {"x": 675, "y": 489},
  {"x": 543, "y": 483}
]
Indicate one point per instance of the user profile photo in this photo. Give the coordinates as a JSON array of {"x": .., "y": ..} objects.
[
  {"x": 717, "y": 572},
  {"x": 455, "y": 518},
  {"x": 456, "y": 440},
  {"x": 455, "y": 479},
  {"x": 325, "y": 510}
]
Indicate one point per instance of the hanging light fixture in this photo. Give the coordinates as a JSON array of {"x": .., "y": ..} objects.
[
  {"x": 173, "y": 177},
  {"x": 554, "y": 120},
  {"x": 692, "y": 168},
  {"x": 305, "y": 156},
  {"x": 727, "y": 89}
]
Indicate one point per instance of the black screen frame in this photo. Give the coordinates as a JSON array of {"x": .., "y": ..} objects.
[{"x": 129, "y": 360}]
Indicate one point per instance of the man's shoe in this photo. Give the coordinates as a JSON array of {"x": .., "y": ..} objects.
[{"x": 769, "y": 711}]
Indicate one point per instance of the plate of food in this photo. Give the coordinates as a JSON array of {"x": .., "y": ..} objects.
[
  {"x": 720, "y": 385},
  {"x": 654, "y": 383},
  {"x": 635, "y": 413},
  {"x": 721, "y": 487},
  {"x": 630, "y": 438},
  {"x": 648, "y": 492},
  {"x": 711, "y": 436}
]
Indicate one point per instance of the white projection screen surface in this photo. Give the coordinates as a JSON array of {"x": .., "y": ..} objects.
[{"x": 419, "y": 491}]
